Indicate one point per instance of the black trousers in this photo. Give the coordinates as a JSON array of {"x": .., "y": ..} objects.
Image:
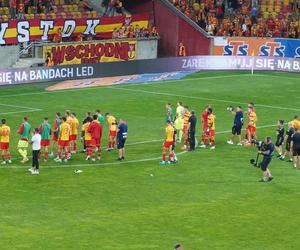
[
  {"x": 192, "y": 140},
  {"x": 35, "y": 159}
]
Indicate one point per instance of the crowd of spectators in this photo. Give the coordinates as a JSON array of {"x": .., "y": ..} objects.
[
  {"x": 49, "y": 9},
  {"x": 279, "y": 18},
  {"x": 134, "y": 32}
]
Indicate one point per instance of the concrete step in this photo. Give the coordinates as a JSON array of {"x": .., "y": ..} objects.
[{"x": 27, "y": 62}]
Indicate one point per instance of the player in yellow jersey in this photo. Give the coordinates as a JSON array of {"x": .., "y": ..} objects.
[
  {"x": 74, "y": 133},
  {"x": 63, "y": 140},
  {"x": 211, "y": 128},
  {"x": 168, "y": 143},
  {"x": 186, "y": 117},
  {"x": 296, "y": 123},
  {"x": 4, "y": 142},
  {"x": 251, "y": 127},
  {"x": 112, "y": 125},
  {"x": 87, "y": 137}
]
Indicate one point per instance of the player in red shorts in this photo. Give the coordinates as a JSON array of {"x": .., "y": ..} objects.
[
  {"x": 204, "y": 136},
  {"x": 4, "y": 142},
  {"x": 211, "y": 128},
  {"x": 168, "y": 144},
  {"x": 63, "y": 140},
  {"x": 112, "y": 125},
  {"x": 57, "y": 123},
  {"x": 95, "y": 129},
  {"x": 251, "y": 127},
  {"x": 45, "y": 132}
]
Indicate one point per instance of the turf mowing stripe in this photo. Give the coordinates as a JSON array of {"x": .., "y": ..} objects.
[
  {"x": 81, "y": 89},
  {"x": 199, "y": 98},
  {"x": 16, "y": 106}
]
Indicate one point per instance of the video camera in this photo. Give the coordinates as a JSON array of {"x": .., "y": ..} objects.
[{"x": 259, "y": 144}]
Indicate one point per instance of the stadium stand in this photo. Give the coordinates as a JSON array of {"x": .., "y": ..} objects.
[
  {"x": 265, "y": 18},
  {"x": 48, "y": 9}
]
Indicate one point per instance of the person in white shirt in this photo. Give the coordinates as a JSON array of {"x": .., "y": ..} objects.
[{"x": 36, "y": 147}]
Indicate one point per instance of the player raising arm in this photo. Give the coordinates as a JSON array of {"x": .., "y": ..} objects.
[
  {"x": 4, "y": 142},
  {"x": 237, "y": 124}
]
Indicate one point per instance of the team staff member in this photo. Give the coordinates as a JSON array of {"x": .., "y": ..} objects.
[
  {"x": 74, "y": 133},
  {"x": 45, "y": 132},
  {"x": 267, "y": 157},
  {"x": 121, "y": 138},
  {"x": 4, "y": 142},
  {"x": 112, "y": 125},
  {"x": 63, "y": 140},
  {"x": 168, "y": 143},
  {"x": 36, "y": 147},
  {"x": 179, "y": 121},
  {"x": 24, "y": 132},
  {"x": 87, "y": 137},
  {"x": 288, "y": 138},
  {"x": 95, "y": 129},
  {"x": 57, "y": 123},
  {"x": 192, "y": 131},
  {"x": 280, "y": 137},
  {"x": 295, "y": 145},
  {"x": 237, "y": 125}
]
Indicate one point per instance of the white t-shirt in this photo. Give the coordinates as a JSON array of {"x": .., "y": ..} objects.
[{"x": 36, "y": 141}]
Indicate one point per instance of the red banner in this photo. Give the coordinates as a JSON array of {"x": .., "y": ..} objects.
[{"x": 19, "y": 31}]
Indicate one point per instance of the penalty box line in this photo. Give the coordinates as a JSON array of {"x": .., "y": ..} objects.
[
  {"x": 27, "y": 109},
  {"x": 119, "y": 163}
]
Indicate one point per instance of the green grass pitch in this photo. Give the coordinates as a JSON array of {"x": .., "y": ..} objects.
[{"x": 209, "y": 200}]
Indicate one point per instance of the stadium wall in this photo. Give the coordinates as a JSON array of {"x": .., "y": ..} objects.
[
  {"x": 8, "y": 55},
  {"x": 194, "y": 63},
  {"x": 173, "y": 28}
]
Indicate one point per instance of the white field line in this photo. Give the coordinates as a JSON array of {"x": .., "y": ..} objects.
[
  {"x": 23, "y": 111},
  {"x": 118, "y": 163},
  {"x": 85, "y": 89},
  {"x": 200, "y": 98},
  {"x": 16, "y": 106}
]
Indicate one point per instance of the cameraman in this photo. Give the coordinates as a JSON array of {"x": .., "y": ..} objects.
[{"x": 267, "y": 152}]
